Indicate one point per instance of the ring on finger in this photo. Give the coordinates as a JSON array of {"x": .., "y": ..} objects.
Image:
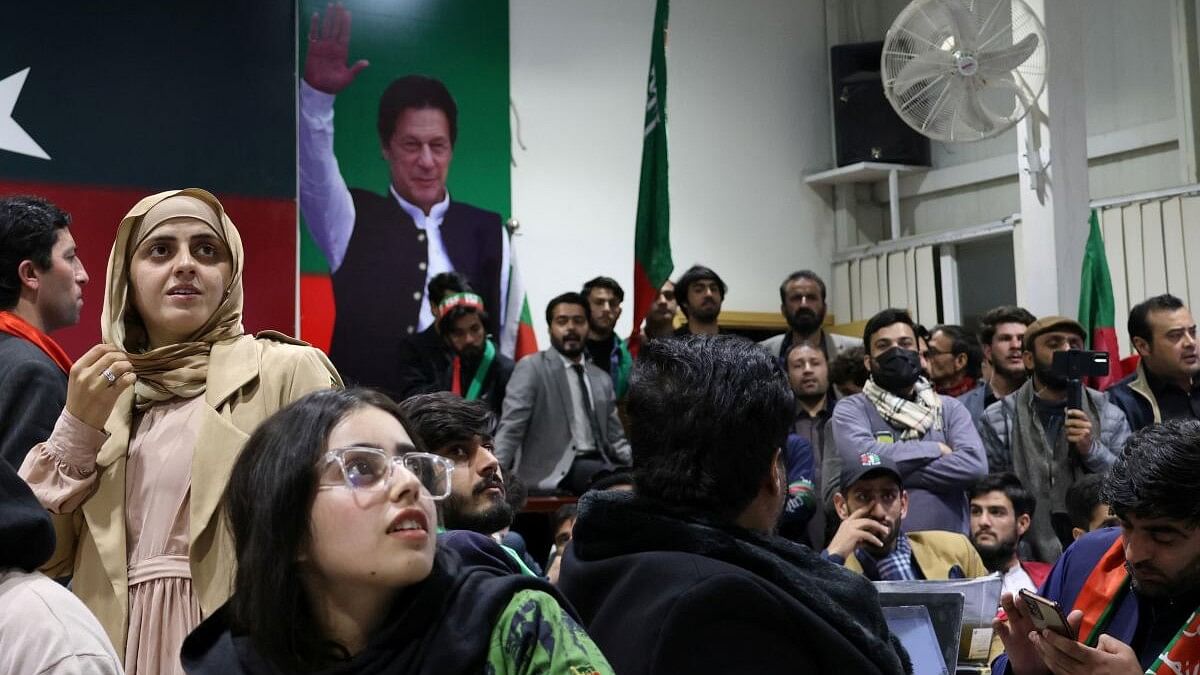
[{"x": 109, "y": 375}]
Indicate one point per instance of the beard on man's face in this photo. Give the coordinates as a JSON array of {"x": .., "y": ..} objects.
[
  {"x": 996, "y": 556},
  {"x": 707, "y": 312},
  {"x": 1151, "y": 582},
  {"x": 805, "y": 320},
  {"x": 478, "y": 512},
  {"x": 471, "y": 353}
]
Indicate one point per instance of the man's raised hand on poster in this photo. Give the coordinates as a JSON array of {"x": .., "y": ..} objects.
[{"x": 325, "y": 67}]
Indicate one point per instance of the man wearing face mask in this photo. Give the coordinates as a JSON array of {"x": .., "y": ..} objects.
[
  {"x": 898, "y": 415},
  {"x": 1031, "y": 433}
]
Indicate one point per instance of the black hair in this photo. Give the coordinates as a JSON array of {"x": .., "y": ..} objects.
[
  {"x": 886, "y": 318},
  {"x": 603, "y": 282},
  {"x": 1155, "y": 474},
  {"x": 1023, "y": 501},
  {"x": 415, "y": 92},
  {"x": 1082, "y": 498},
  {"x": 692, "y": 275},
  {"x": 1002, "y": 314},
  {"x": 801, "y": 274},
  {"x": 268, "y": 502},
  {"x": 707, "y": 415},
  {"x": 446, "y": 323},
  {"x": 28, "y": 231},
  {"x": 563, "y": 514},
  {"x": 442, "y": 418},
  {"x": 1139, "y": 316},
  {"x": 849, "y": 367},
  {"x": 569, "y": 298},
  {"x": 447, "y": 283},
  {"x": 962, "y": 342}
]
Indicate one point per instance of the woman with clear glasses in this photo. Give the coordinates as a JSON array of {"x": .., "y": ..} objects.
[
  {"x": 155, "y": 417},
  {"x": 332, "y": 510}
]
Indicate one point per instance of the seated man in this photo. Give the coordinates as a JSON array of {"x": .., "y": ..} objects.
[
  {"x": 872, "y": 504},
  {"x": 1131, "y": 592},
  {"x": 1085, "y": 509},
  {"x": 606, "y": 350},
  {"x": 461, "y": 431},
  {"x": 560, "y": 424},
  {"x": 477, "y": 370},
  {"x": 683, "y": 575},
  {"x": 1031, "y": 432},
  {"x": 422, "y": 359},
  {"x": 1001, "y": 509},
  {"x": 930, "y": 438}
]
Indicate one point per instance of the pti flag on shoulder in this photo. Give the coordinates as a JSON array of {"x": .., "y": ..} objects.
[
  {"x": 1096, "y": 313},
  {"x": 652, "y": 263},
  {"x": 517, "y": 339}
]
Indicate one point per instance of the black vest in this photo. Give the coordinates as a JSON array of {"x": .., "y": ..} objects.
[{"x": 379, "y": 286}]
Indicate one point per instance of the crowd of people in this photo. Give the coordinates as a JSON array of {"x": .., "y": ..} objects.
[
  {"x": 187, "y": 498},
  {"x": 217, "y": 502}
]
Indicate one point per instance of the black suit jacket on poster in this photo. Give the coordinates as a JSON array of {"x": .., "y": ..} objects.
[
  {"x": 33, "y": 390},
  {"x": 380, "y": 284}
]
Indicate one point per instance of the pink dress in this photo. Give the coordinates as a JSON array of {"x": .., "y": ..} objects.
[{"x": 163, "y": 608}]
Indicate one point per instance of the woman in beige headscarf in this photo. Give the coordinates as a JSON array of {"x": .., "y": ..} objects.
[{"x": 154, "y": 418}]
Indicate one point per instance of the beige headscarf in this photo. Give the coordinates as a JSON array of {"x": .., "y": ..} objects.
[{"x": 180, "y": 369}]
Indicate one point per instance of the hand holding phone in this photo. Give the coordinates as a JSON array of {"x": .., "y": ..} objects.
[{"x": 1046, "y": 613}]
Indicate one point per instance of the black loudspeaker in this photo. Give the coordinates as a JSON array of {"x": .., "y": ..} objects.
[{"x": 865, "y": 126}]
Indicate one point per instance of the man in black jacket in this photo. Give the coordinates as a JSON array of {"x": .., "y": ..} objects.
[
  {"x": 1165, "y": 386},
  {"x": 685, "y": 574}
]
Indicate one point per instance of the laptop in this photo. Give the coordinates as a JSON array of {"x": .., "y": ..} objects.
[
  {"x": 913, "y": 627},
  {"x": 945, "y": 612}
]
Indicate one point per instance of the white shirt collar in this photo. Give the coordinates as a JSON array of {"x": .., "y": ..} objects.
[{"x": 419, "y": 218}]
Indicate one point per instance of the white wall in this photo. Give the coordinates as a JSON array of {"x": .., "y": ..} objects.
[
  {"x": 748, "y": 117},
  {"x": 1129, "y": 85}
]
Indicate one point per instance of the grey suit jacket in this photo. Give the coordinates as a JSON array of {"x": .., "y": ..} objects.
[{"x": 534, "y": 438}]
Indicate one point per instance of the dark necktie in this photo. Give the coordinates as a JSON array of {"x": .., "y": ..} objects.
[{"x": 587, "y": 404}]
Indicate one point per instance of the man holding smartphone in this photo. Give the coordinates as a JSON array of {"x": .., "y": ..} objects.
[{"x": 1133, "y": 592}]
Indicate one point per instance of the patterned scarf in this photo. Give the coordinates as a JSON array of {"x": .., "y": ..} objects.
[
  {"x": 915, "y": 417},
  {"x": 895, "y": 566}
]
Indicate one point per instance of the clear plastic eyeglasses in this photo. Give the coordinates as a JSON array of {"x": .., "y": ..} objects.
[{"x": 367, "y": 469}]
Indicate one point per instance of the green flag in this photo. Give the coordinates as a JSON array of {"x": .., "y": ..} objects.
[
  {"x": 652, "y": 263},
  {"x": 1096, "y": 304}
]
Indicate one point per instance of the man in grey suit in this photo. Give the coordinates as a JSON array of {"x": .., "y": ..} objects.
[{"x": 559, "y": 425}]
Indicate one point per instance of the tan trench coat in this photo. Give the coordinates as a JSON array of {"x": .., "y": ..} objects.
[{"x": 249, "y": 379}]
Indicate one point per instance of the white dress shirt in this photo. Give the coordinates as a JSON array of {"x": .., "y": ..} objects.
[{"x": 328, "y": 207}]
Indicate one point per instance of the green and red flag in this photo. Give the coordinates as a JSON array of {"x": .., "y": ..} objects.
[
  {"x": 652, "y": 264},
  {"x": 517, "y": 339},
  {"x": 1096, "y": 304}
]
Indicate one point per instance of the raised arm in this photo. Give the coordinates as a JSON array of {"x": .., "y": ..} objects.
[{"x": 324, "y": 198}]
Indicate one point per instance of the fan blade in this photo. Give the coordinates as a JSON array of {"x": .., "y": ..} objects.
[
  {"x": 926, "y": 65},
  {"x": 962, "y": 24},
  {"x": 996, "y": 61},
  {"x": 973, "y": 113}
]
